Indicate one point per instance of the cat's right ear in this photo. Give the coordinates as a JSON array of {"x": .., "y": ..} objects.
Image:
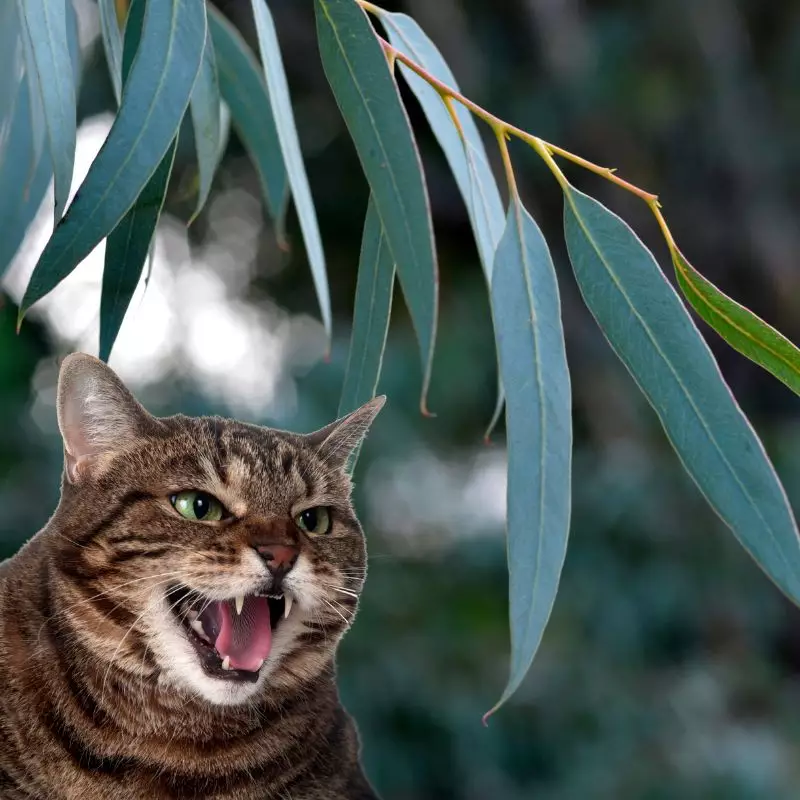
[
  {"x": 97, "y": 415},
  {"x": 336, "y": 442}
]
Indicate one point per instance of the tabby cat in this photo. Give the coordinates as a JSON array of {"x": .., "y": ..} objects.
[{"x": 171, "y": 632}]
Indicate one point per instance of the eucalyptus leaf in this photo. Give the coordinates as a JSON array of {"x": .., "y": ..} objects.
[
  {"x": 127, "y": 250},
  {"x": 356, "y": 68},
  {"x": 205, "y": 107},
  {"x": 372, "y": 309},
  {"x": 154, "y": 100},
  {"x": 467, "y": 157},
  {"x": 25, "y": 180},
  {"x": 112, "y": 43},
  {"x": 12, "y": 68},
  {"x": 241, "y": 83},
  {"x": 48, "y": 60},
  {"x": 278, "y": 90},
  {"x": 128, "y": 245},
  {"x": 738, "y": 326},
  {"x": 654, "y": 336},
  {"x": 533, "y": 366}
]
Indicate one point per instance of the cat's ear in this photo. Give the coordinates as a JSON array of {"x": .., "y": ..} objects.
[
  {"x": 97, "y": 415},
  {"x": 336, "y": 442}
]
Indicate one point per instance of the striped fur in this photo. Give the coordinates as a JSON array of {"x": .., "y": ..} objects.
[{"x": 98, "y": 695}]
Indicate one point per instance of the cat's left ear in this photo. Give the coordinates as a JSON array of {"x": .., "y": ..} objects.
[
  {"x": 97, "y": 415},
  {"x": 336, "y": 442}
]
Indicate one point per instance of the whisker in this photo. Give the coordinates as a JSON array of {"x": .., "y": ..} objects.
[
  {"x": 333, "y": 608},
  {"x": 340, "y": 589}
]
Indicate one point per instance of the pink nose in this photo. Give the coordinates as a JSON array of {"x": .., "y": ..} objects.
[{"x": 278, "y": 557}]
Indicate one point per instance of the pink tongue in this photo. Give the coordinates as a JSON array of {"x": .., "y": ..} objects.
[{"x": 245, "y": 638}]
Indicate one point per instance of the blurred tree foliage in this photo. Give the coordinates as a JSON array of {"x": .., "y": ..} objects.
[{"x": 670, "y": 669}]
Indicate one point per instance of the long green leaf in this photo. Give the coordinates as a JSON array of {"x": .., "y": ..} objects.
[
  {"x": 127, "y": 250},
  {"x": 206, "y": 106},
  {"x": 11, "y": 61},
  {"x": 372, "y": 309},
  {"x": 278, "y": 90},
  {"x": 153, "y": 103},
  {"x": 128, "y": 245},
  {"x": 738, "y": 326},
  {"x": 46, "y": 27},
  {"x": 533, "y": 365},
  {"x": 36, "y": 106},
  {"x": 467, "y": 158},
  {"x": 654, "y": 336},
  {"x": 22, "y": 193},
  {"x": 367, "y": 96},
  {"x": 241, "y": 83},
  {"x": 112, "y": 44},
  {"x": 24, "y": 180}
]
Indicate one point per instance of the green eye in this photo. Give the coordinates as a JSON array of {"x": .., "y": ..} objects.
[
  {"x": 198, "y": 506},
  {"x": 316, "y": 521}
]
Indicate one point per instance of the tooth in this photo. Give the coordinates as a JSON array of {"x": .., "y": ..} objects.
[
  {"x": 198, "y": 626},
  {"x": 239, "y": 603},
  {"x": 260, "y": 664},
  {"x": 226, "y": 662},
  {"x": 287, "y": 605}
]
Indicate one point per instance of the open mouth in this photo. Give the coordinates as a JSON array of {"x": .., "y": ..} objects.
[{"x": 232, "y": 637}]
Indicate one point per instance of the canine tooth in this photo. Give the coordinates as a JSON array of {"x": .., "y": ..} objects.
[
  {"x": 198, "y": 626},
  {"x": 260, "y": 664},
  {"x": 287, "y": 605},
  {"x": 239, "y": 603},
  {"x": 226, "y": 662}
]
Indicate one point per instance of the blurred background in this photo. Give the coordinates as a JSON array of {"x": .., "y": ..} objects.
[{"x": 671, "y": 666}]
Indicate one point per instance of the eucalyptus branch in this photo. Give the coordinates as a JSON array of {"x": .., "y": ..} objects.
[{"x": 502, "y": 130}]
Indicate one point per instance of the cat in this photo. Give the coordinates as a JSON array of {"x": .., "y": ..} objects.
[{"x": 171, "y": 632}]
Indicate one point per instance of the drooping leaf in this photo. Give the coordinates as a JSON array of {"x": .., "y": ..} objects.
[
  {"x": 11, "y": 70},
  {"x": 128, "y": 245},
  {"x": 20, "y": 201},
  {"x": 206, "y": 105},
  {"x": 153, "y": 103},
  {"x": 112, "y": 44},
  {"x": 372, "y": 309},
  {"x": 367, "y": 96},
  {"x": 35, "y": 106},
  {"x": 533, "y": 365},
  {"x": 467, "y": 158},
  {"x": 278, "y": 90},
  {"x": 241, "y": 83},
  {"x": 654, "y": 336},
  {"x": 134, "y": 25},
  {"x": 127, "y": 250},
  {"x": 48, "y": 59},
  {"x": 738, "y": 326},
  {"x": 25, "y": 181},
  {"x": 469, "y": 164}
]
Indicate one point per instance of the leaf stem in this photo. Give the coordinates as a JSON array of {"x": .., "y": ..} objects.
[
  {"x": 502, "y": 141},
  {"x": 371, "y": 7},
  {"x": 503, "y": 129}
]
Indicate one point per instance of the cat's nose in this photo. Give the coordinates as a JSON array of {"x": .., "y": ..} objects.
[{"x": 279, "y": 558}]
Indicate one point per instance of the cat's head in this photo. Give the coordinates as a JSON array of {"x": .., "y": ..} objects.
[{"x": 217, "y": 558}]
